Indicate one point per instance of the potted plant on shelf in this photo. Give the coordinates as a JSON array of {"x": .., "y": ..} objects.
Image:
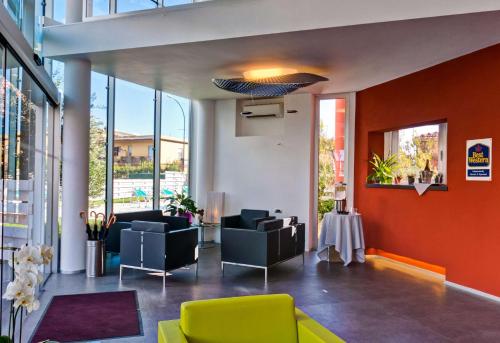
[
  {"x": 182, "y": 205},
  {"x": 382, "y": 170}
]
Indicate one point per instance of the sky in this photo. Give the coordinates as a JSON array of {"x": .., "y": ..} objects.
[
  {"x": 134, "y": 104},
  {"x": 406, "y": 135},
  {"x": 101, "y": 7},
  {"x": 134, "y": 108},
  {"x": 327, "y": 116}
]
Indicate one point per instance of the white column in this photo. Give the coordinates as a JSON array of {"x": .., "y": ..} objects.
[
  {"x": 203, "y": 171},
  {"x": 75, "y": 164},
  {"x": 75, "y": 154},
  {"x": 74, "y": 11}
]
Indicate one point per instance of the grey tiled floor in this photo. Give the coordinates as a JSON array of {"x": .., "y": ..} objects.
[{"x": 372, "y": 302}]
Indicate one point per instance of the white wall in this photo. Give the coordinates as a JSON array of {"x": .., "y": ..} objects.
[{"x": 265, "y": 172}]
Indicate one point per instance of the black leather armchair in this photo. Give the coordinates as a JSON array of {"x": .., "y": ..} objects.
[
  {"x": 155, "y": 246},
  {"x": 268, "y": 244},
  {"x": 247, "y": 219},
  {"x": 124, "y": 221}
]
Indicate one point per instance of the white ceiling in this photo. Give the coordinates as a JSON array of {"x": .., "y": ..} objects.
[{"x": 353, "y": 57}]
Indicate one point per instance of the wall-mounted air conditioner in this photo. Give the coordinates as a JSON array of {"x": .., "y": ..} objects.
[{"x": 263, "y": 111}]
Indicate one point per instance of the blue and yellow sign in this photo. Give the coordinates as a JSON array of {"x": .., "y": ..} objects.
[
  {"x": 478, "y": 164},
  {"x": 478, "y": 155}
]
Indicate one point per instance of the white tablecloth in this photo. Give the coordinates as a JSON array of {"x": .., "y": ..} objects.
[{"x": 345, "y": 232}]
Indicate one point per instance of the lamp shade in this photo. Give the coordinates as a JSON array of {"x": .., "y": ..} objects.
[{"x": 215, "y": 207}]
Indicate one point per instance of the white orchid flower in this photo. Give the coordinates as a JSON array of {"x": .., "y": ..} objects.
[
  {"x": 29, "y": 302},
  {"x": 17, "y": 290},
  {"x": 23, "y": 268},
  {"x": 47, "y": 253},
  {"x": 29, "y": 254},
  {"x": 29, "y": 279},
  {"x": 26, "y": 264}
]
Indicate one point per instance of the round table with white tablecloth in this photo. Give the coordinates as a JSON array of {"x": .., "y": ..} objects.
[{"x": 345, "y": 233}]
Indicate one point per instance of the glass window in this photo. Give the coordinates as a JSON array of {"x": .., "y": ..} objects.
[
  {"x": 14, "y": 9},
  {"x": 26, "y": 164},
  {"x": 100, "y": 7},
  {"x": 134, "y": 132},
  {"x": 174, "y": 146},
  {"x": 134, "y": 5},
  {"x": 418, "y": 148},
  {"x": 24, "y": 158},
  {"x": 58, "y": 74},
  {"x": 176, "y": 2},
  {"x": 331, "y": 151},
  {"x": 59, "y": 11},
  {"x": 97, "y": 145}
]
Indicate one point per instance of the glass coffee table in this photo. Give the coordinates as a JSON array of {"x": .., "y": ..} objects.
[{"x": 202, "y": 227}]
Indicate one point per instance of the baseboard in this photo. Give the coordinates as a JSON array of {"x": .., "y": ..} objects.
[
  {"x": 413, "y": 268},
  {"x": 69, "y": 272},
  {"x": 440, "y": 277},
  {"x": 472, "y": 291}
]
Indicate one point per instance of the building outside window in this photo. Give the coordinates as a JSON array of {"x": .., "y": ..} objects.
[{"x": 134, "y": 133}]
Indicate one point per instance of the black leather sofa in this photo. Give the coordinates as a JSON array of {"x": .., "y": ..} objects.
[
  {"x": 253, "y": 239},
  {"x": 124, "y": 221},
  {"x": 156, "y": 246}
]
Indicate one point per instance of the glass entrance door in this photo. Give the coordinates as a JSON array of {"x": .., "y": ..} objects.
[{"x": 331, "y": 152}]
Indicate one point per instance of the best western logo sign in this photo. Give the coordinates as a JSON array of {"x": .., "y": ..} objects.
[
  {"x": 479, "y": 156},
  {"x": 478, "y": 162}
]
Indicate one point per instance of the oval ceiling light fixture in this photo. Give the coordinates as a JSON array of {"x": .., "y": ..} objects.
[
  {"x": 256, "y": 74},
  {"x": 269, "y": 82}
]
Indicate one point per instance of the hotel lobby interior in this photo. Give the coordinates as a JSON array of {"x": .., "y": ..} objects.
[{"x": 233, "y": 171}]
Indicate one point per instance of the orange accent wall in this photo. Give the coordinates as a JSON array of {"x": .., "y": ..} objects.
[{"x": 458, "y": 229}]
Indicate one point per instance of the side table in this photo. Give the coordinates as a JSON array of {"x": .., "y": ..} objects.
[{"x": 202, "y": 227}]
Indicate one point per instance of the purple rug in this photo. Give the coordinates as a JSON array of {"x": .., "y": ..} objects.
[{"x": 83, "y": 317}]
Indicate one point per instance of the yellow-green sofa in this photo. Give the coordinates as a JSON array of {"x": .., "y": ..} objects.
[{"x": 250, "y": 319}]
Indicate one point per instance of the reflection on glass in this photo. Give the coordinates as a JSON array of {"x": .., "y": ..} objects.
[
  {"x": 97, "y": 146},
  {"x": 133, "y": 147},
  {"x": 24, "y": 158},
  {"x": 13, "y": 7},
  {"x": 135, "y": 5},
  {"x": 331, "y": 152},
  {"x": 174, "y": 149},
  {"x": 25, "y": 164}
]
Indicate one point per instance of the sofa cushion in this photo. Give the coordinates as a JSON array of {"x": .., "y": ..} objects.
[
  {"x": 249, "y": 319},
  {"x": 267, "y": 225},
  {"x": 247, "y": 219},
  {"x": 139, "y": 225},
  {"x": 153, "y": 215}
]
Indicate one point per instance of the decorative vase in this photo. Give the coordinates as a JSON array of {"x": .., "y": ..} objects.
[{"x": 187, "y": 215}]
